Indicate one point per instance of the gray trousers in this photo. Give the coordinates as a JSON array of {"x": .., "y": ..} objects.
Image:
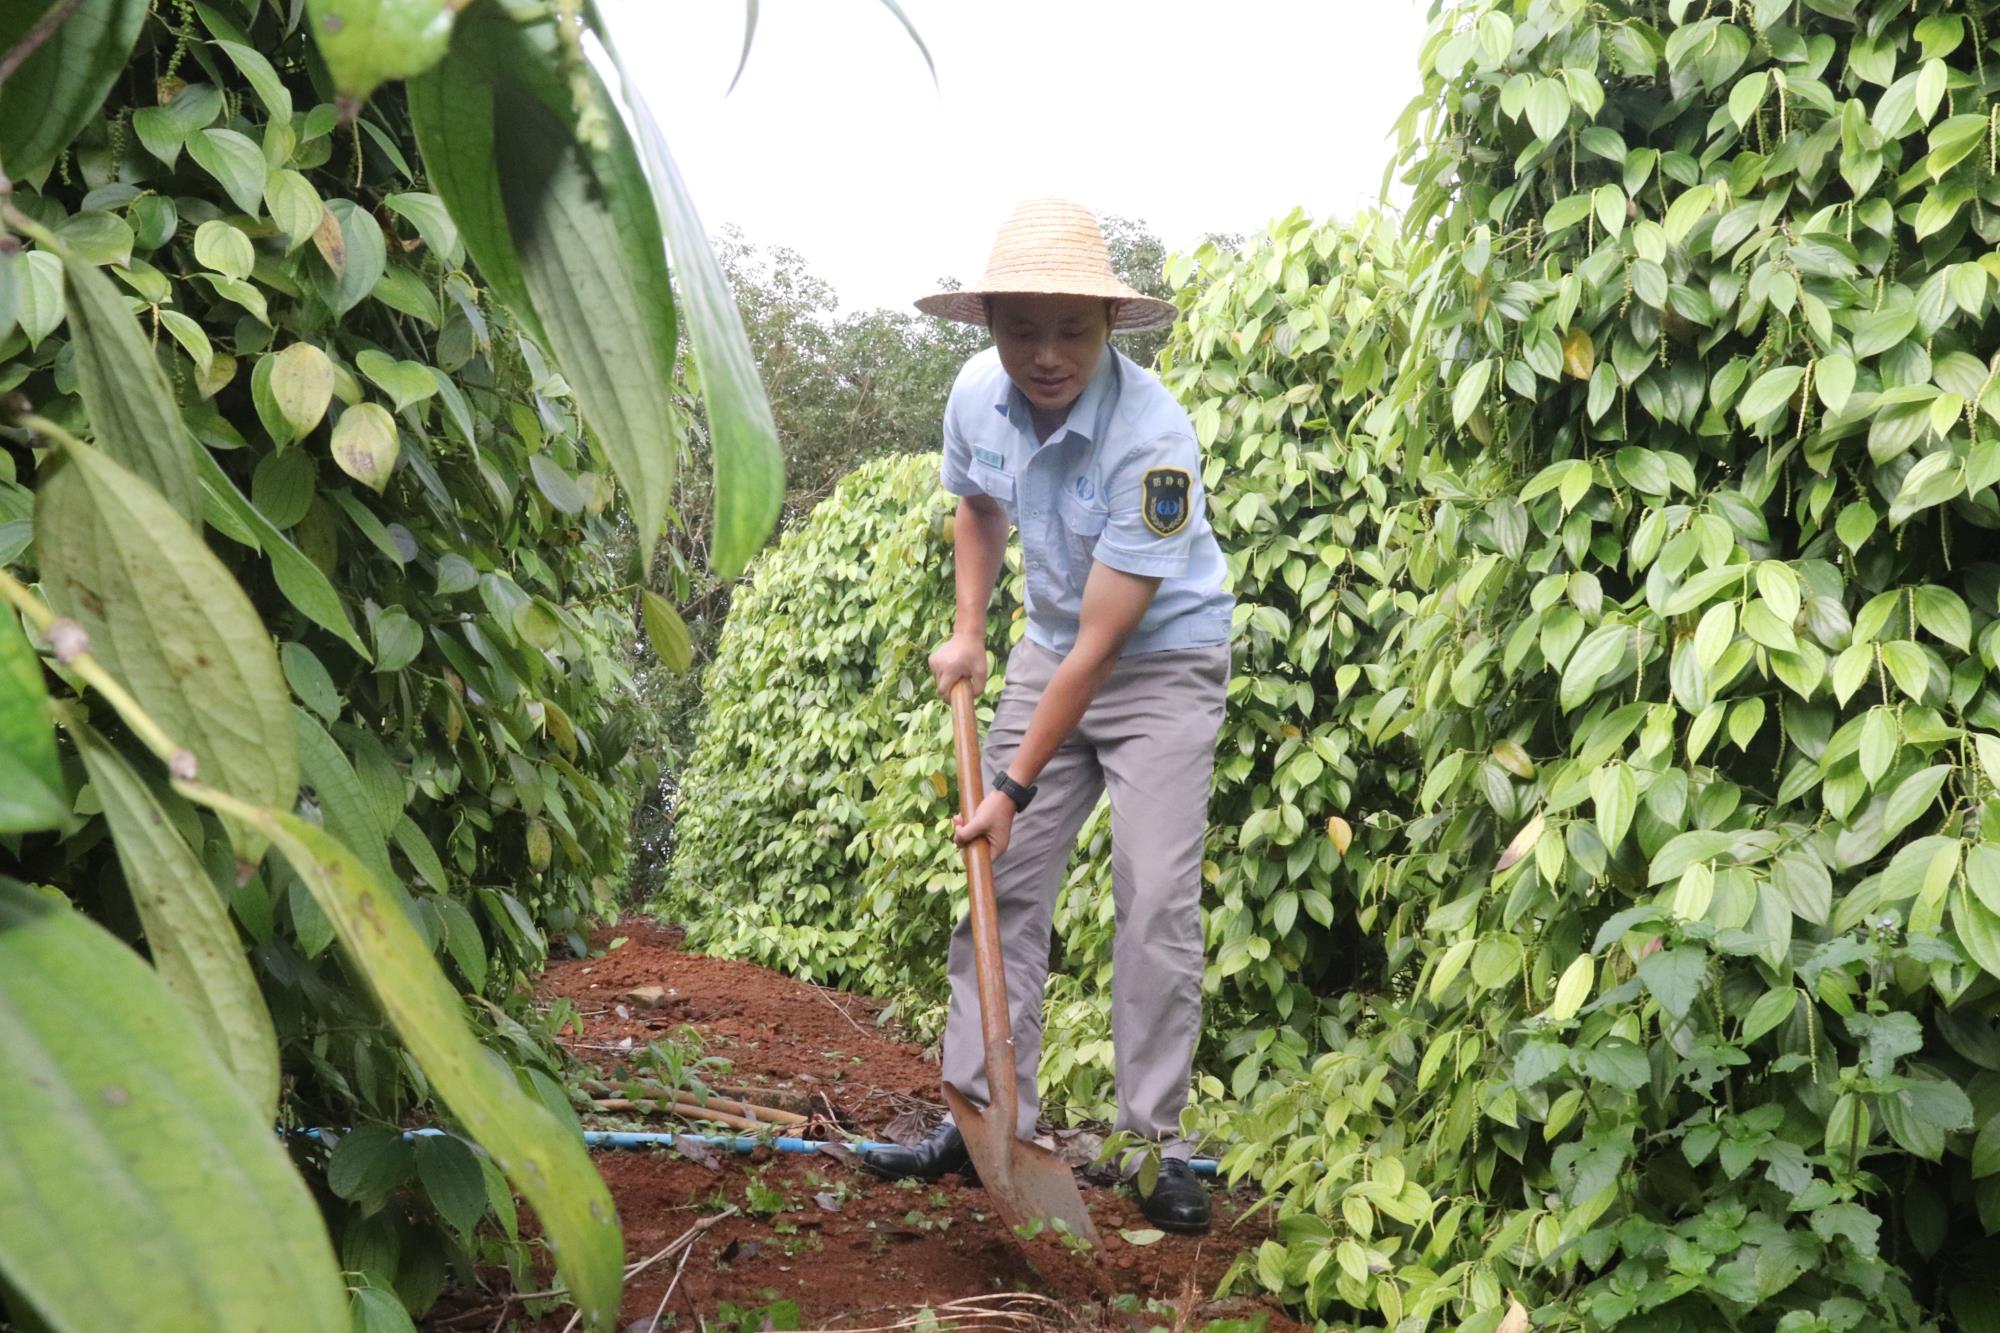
[{"x": 1148, "y": 738}]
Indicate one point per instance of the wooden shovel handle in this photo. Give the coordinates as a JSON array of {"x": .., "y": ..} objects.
[{"x": 988, "y": 965}]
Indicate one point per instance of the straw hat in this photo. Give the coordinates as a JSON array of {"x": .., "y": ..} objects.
[{"x": 1051, "y": 247}]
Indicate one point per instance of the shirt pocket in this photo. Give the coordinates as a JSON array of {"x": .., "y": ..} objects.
[
  {"x": 1082, "y": 524},
  {"x": 995, "y": 483}
]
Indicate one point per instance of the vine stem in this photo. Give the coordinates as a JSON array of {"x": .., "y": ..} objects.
[
  {"x": 222, "y": 802},
  {"x": 178, "y": 758},
  {"x": 28, "y": 227},
  {"x": 72, "y": 646}
]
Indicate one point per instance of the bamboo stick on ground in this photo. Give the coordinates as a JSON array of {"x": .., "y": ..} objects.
[
  {"x": 686, "y": 1110},
  {"x": 774, "y": 1099},
  {"x": 777, "y": 1099},
  {"x": 763, "y": 1115}
]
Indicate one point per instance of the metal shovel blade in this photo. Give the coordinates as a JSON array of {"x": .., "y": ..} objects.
[{"x": 1025, "y": 1181}]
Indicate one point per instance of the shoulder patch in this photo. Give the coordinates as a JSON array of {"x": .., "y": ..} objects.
[{"x": 1164, "y": 502}]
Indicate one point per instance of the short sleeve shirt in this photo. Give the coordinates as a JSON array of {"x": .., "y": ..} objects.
[{"x": 1118, "y": 483}]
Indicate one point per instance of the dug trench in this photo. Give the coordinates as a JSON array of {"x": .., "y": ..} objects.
[{"x": 815, "y": 1240}]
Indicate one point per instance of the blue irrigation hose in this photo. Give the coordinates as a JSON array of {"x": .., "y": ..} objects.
[{"x": 739, "y": 1143}]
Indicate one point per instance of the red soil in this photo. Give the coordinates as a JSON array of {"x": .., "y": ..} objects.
[
  {"x": 774, "y": 1031},
  {"x": 849, "y": 1250}
]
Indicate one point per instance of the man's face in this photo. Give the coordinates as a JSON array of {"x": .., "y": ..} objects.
[{"x": 1049, "y": 345}]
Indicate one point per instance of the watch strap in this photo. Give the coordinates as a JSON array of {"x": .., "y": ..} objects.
[{"x": 1014, "y": 791}]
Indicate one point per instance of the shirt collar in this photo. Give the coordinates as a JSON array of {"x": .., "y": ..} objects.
[{"x": 1083, "y": 413}]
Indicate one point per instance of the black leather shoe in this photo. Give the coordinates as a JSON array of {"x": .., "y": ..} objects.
[
  {"x": 1178, "y": 1201},
  {"x": 939, "y": 1155}
]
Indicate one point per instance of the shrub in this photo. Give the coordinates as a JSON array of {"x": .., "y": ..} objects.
[
  {"x": 232, "y": 300},
  {"x": 1280, "y": 347},
  {"x": 809, "y": 830},
  {"x": 1689, "y": 1012}
]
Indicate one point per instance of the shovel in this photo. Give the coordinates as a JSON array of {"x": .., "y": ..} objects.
[{"x": 1026, "y": 1182}]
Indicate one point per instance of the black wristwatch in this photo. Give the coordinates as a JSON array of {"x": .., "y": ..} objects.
[{"x": 1016, "y": 793}]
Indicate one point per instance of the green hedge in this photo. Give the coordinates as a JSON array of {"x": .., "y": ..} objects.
[
  {"x": 398, "y": 479},
  {"x": 807, "y": 827},
  {"x": 1688, "y": 1009}
]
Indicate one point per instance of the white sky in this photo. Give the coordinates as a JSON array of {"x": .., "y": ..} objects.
[{"x": 1191, "y": 115}]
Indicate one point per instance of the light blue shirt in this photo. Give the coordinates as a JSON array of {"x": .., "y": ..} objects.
[{"x": 1119, "y": 482}]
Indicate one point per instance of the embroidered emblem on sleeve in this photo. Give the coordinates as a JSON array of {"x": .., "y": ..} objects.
[{"x": 1164, "y": 504}]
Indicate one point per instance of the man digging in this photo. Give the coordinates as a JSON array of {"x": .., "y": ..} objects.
[{"x": 1117, "y": 686}]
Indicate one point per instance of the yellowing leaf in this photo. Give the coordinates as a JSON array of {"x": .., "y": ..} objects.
[
  {"x": 350, "y": 234},
  {"x": 1515, "y": 1320},
  {"x": 405, "y": 382},
  {"x": 330, "y": 242},
  {"x": 1510, "y": 756},
  {"x": 295, "y": 206},
  {"x": 224, "y": 248},
  {"x": 365, "y": 444},
  {"x": 1341, "y": 832},
  {"x": 301, "y": 386},
  {"x": 1572, "y": 990},
  {"x": 1579, "y": 353},
  {"x": 1523, "y": 843}
]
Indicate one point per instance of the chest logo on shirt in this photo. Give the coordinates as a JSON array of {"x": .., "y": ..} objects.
[
  {"x": 1165, "y": 502},
  {"x": 1084, "y": 489}
]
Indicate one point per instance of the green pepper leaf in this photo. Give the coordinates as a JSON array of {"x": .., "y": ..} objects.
[
  {"x": 56, "y": 91},
  {"x": 167, "y": 619},
  {"x": 130, "y": 406},
  {"x": 749, "y": 465},
  {"x": 114, "y": 1104},
  {"x": 366, "y": 43},
  {"x": 31, "y": 786},
  {"x": 573, "y": 260},
  {"x": 546, "y": 1162},
  {"x": 189, "y": 934}
]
